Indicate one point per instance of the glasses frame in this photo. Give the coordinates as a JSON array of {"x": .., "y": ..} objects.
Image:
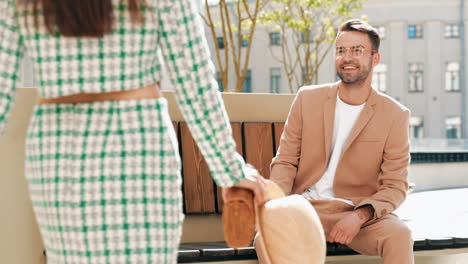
[{"x": 361, "y": 50}]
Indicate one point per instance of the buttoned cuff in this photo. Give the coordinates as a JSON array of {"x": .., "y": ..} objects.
[{"x": 380, "y": 208}]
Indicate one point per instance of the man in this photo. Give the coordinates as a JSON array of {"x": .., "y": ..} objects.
[{"x": 345, "y": 148}]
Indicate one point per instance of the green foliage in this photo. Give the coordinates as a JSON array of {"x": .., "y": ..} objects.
[
  {"x": 307, "y": 29},
  {"x": 296, "y": 21}
]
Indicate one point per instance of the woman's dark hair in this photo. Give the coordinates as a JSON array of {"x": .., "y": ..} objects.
[{"x": 81, "y": 18}]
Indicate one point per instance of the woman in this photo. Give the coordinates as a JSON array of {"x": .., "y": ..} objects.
[{"x": 102, "y": 158}]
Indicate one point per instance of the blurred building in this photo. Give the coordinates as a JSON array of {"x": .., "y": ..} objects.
[{"x": 420, "y": 66}]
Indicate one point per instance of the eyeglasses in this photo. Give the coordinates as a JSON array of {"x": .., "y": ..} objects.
[{"x": 356, "y": 51}]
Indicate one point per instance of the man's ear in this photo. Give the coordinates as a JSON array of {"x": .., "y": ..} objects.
[{"x": 375, "y": 59}]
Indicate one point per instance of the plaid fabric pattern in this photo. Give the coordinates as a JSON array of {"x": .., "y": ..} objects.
[
  {"x": 11, "y": 52},
  {"x": 129, "y": 58},
  {"x": 86, "y": 178},
  {"x": 105, "y": 182}
]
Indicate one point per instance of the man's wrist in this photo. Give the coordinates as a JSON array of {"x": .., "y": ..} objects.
[{"x": 365, "y": 213}]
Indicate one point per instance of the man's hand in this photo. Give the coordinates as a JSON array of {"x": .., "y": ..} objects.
[{"x": 347, "y": 228}]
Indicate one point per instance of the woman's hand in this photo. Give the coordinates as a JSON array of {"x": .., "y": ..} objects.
[{"x": 254, "y": 182}]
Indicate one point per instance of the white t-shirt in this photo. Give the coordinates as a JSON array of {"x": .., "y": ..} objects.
[{"x": 345, "y": 118}]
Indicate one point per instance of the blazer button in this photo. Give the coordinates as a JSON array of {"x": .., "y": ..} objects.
[{"x": 383, "y": 212}]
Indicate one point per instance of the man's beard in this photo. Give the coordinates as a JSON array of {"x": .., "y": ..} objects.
[{"x": 356, "y": 79}]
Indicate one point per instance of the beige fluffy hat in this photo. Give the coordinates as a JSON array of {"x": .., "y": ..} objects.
[{"x": 288, "y": 229}]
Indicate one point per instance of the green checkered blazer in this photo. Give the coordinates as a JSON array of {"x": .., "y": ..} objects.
[{"x": 131, "y": 57}]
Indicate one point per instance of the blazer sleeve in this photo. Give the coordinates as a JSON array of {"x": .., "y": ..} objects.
[
  {"x": 187, "y": 60},
  {"x": 393, "y": 176},
  {"x": 284, "y": 165},
  {"x": 11, "y": 52}
]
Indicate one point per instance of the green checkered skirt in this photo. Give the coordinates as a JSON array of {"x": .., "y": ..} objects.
[{"x": 105, "y": 182}]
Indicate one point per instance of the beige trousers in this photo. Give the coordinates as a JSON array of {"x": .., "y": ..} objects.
[{"x": 387, "y": 237}]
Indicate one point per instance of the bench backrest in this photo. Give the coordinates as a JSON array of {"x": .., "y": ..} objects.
[{"x": 257, "y": 142}]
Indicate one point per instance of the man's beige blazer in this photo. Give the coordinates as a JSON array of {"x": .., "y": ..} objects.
[{"x": 373, "y": 168}]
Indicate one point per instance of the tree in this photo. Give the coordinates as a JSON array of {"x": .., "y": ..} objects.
[
  {"x": 307, "y": 29},
  {"x": 235, "y": 23}
]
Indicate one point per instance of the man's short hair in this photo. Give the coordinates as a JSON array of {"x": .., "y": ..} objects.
[{"x": 363, "y": 27}]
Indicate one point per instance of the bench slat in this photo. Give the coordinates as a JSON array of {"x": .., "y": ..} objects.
[
  {"x": 187, "y": 255},
  {"x": 211, "y": 249},
  {"x": 258, "y": 143},
  {"x": 460, "y": 241},
  {"x": 278, "y": 130},
  {"x": 220, "y": 251},
  {"x": 198, "y": 185},
  {"x": 335, "y": 249},
  {"x": 440, "y": 242},
  {"x": 246, "y": 251},
  {"x": 419, "y": 243}
]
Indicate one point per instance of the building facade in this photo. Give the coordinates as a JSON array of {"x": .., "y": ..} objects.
[{"x": 420, "y": 67}]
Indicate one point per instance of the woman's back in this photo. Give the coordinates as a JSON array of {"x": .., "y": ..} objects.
[
  {"x": 128, "y": 58},
  {"x": 125, "y": 59},
  {"x": 104, "y": 177}
]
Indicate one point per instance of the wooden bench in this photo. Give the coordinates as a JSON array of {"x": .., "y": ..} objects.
[
  {"x": 21, "y": 241},
  {"x": 254, "y": 142},
  {"x": 258, "y": 142}
]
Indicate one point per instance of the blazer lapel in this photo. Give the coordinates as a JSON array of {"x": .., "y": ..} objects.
[
  {"x": 329, "y": 118},
  {"x": 363, "y": 119}
]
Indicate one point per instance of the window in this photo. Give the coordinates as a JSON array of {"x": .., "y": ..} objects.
[
  {"x": 220, "y": 42},
  {"x": 381, "y": 30},
  {"x": 415, "y": 31},
  {"x": 453, "y": 127},
  {"x": 275, "y": 80},
  {"x": 452, "y": 77},
  {"x": 247, "y": 88},
  {"x": 416, "y": 80},
  {"x": 220, "y": 82},
  {"x": 307, "y": 37},
  {"x": 245, "y": 43},
  {"x": 452, "y": 31},
  {"x": 416, "y": 127},
  {"x": 275, "y": 38},
  {"x": 379, "y": 78},
  {"x": 213, "y": 3}
]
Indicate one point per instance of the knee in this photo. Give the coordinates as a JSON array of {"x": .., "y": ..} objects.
[{"x": 400, "y": 234}]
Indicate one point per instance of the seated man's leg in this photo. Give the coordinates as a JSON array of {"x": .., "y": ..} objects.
[{"x": 389, "y": 238}]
